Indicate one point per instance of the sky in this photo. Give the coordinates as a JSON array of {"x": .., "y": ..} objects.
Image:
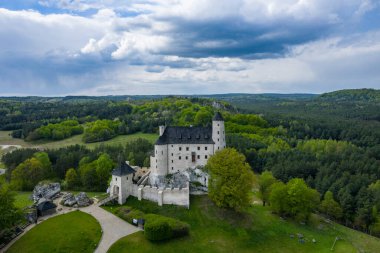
[{"x": 115, "y": 47}]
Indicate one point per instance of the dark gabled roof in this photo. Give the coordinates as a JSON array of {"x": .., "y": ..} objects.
[
  {"x": 186, "y": 135},
  {"x": 44, "y": 204},
  {"x": 218, "y": 117},
  {"x": 123, "y": 169}
]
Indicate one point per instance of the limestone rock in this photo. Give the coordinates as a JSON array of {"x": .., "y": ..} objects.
[
  {"x": 83, "y": 200},
  {"x": 68, "y": 200},
  {"x": 47, "y": 191}
]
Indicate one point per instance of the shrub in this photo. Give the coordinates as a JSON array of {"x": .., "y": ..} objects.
[
  {"x": 128, "y": 214},
  {"x": 159, "y": 227}
]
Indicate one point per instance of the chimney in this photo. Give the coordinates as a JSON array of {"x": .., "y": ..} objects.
[{"x": 162, "y": 130}]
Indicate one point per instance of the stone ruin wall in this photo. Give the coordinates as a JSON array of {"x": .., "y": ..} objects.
[{"x": 175, "y": 196}]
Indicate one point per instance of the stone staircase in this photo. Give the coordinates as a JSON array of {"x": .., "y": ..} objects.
[{"x": 108, "y": 199}]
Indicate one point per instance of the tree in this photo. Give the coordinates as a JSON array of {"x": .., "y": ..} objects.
[
  {"x": 230, "y": 179},
  {"x": 71, "y": 178},
  {"x": 104, "y": 166},
  {"x": 330, "y": 207},
  {"x": 9, "y": 213},
  {"x": 295, "y": 199},
  {"x": 27, "y": 174},
  {"x": 266, "y": 180}
]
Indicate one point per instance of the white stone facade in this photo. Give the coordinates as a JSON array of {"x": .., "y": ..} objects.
[
  {"x": 177, "y": 157},
  {"x": 178, "y": 149}
]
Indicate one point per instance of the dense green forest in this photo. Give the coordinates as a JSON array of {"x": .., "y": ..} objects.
[{"x": 332, "y": 141}]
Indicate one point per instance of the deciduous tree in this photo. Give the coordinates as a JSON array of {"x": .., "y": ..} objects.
[{"x": 230, "y": 179}]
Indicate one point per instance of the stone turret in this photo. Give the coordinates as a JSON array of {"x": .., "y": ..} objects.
[{"x": 218, "y": 132}]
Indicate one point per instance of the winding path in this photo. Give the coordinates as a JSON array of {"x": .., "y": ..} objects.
[{"x": 113, "y": 227}]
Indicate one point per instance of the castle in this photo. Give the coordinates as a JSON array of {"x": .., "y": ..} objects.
[{"x": 177, "y": 150}]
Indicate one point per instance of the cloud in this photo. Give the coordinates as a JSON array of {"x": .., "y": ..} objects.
[{"x": 180, "y": 46}]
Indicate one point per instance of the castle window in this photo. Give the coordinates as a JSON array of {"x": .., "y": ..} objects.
[
  {"x": 156, "y": 151},
  {"x": 115, "y": 178},
  {"x": 180, "y": 148},
  {"x": 172, "y": 145},
  {"x": 172, "y": 154},
  {"x": 172, "y": 168},
  {"x": 198, "y": 156},
  {"x": 199, "y": 148},
  {"x": 218, "y": 139},
  {"x": 193, "y": 157},
  {"x": 179, "y": 157},
  {"x": 127, "y": 178},
  {"x": 218, "y": 148},
  {"x": 187, "y": 148},
  {"x": 172, "y": 161},
  {"x": 162, "y": 152},
  {"x": 218, "y": 132},
  {"x": 218, "y": 124},
  {"x": 205, "y": 156},
  {"x": 187, "y": 157},
  {"x": 205, "y": 148}
]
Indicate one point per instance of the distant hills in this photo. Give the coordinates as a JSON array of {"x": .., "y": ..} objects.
[{"x": 341, "y": 95}]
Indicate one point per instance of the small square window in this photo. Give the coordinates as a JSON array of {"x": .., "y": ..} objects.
[
  {"x": 172, "y": 154},
  {"x": 205, "y": 156},
  {"x": 180, "y": 148},
  {"x": 187, "y": 157},
  {"x": 187, "y": 148},
  {"x": 172, "y": 145},
  {"x": 199, "y": 148},
  {"x": 198, "y": 156},
  {"x": 205, "y": 148}
]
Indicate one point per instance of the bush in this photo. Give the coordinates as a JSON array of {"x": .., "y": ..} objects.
[
  {"x": 159, "y": 227},
  {"x": 128, "y": 214}
]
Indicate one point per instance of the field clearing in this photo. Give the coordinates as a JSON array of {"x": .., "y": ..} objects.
[
  {"x": 6, "y": 139},
  {"x": 258, "y": 230}
]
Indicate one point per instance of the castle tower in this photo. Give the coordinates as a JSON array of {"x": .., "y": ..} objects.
[{"x": 218, "y": 134}]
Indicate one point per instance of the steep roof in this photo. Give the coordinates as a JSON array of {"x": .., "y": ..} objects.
[
  {"x": 218, "y": 117},
  {"x": 186, "y": 135},
  {"x": 123, "y": 169},
  {"x": 45, "y": 204}
]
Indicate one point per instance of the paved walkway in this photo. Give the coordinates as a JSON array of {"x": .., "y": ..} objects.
[{"x": 113, "y": 227}]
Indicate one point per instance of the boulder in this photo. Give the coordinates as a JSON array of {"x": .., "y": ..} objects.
[
  {"x": 47, "y": 191},
  {"x": 83, "y": 200},
  {"x": 68, "y": 200}
]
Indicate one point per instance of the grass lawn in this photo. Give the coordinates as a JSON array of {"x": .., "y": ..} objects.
[
  {"x": 71, "y": 232},
  {"x": 6, "y": 139},
  {"x": 218, "y": 230},
  {"x": 22, "y": 199}
]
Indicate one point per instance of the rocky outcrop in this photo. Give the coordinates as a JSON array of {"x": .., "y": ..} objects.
[
  {"x": 47, "y": 191},
  {"x": 80, "y": 200},
  {"x": 83, "y": 200}
]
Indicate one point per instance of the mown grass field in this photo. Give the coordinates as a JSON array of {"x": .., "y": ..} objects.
[
  {"x": 258, "y": 230},
  {"x": 71, "y": 232},
  {"x": 6, "y": 139},
  {"x": 22, "y": 199}
]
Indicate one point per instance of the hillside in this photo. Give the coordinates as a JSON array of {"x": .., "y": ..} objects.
[
  {"x": 370, "y": 95},
  {"x": 218, "y": 230}
]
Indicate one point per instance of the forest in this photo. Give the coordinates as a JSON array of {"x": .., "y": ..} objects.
[{"x": 331, "y": 141}]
